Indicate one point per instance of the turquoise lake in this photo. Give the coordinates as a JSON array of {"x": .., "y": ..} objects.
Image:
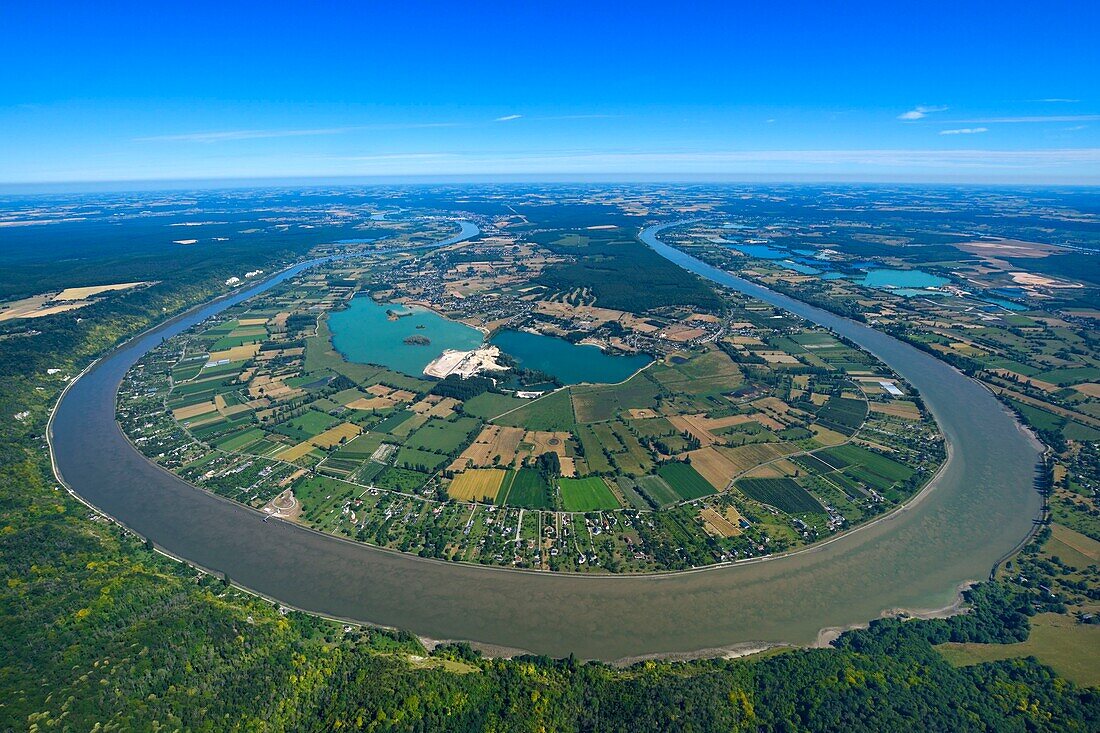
[
  {"x": 571, "y": 363},
  {"x": 365, "y": 333},
  {"x": 885, "y": 278},
  {"x": 761, "y": 251},
  {"x": 1006, "y": 304}
]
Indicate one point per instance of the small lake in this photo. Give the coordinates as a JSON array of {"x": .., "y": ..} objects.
[
  {"x": 571, "y": 363},
  {"x": 1006, "y": 304},
  {"x": 365, "y": 333},
  {"x": 798, "y": 267},
  {"x": 762, "y": 251},
  {"x": 886, "y": 278}
]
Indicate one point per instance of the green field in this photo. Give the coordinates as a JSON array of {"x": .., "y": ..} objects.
[
  {"x": 419, "y": 460},
  {"x": 850, "y": 455},
  {"x": 240, "y": 440},
  {"x": 400, "y": 479},
  {"x": 554, "y": 412},
  {"x": 488, "y": 405},
  {"x": 394, "y": 419},
  {"x": 525, "y": 488},
  {"x": 443, "y": 436},
  {"x": 187, "y": 369},
  {"x": 306, "y": 425},
  {"x": 586, "y": 494},
  {"x": 593, "y": 451},
  {"x": 656, "y": 489},
  {"x": 1055, "y": 640},
  {"x": 594, "y": 404},
  {"x": 783, "y": 493},
  {"x": 685, "y": 480},
  {"x": 843, "y": 414},
  {"x": 360, "y": 448},
  {"x": 1074, "y": 375}
]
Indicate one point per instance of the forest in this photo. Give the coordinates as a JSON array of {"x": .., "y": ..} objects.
[{"x": 623, "y": 273}]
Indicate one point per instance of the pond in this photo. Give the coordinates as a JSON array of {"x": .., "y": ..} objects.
[
  {"x": 375, "y": 333},
  {"x": 570, "y": 363},
  {"x": 761, "y": 251},
  {"x": 1006, "y": 304},
  {"x": 799, "y": 267}
]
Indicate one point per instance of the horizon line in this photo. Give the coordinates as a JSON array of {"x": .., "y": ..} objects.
[{"x": 123, "y": 185}]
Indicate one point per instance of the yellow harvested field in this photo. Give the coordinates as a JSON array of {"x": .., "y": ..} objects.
[
  {"x": 827, "y": 437},
  {"x": 749, "y": 456},
  {"x": 769, "y": 422},
  {"x": 252, "y": 321},
  {"x": 295, "y": 452},
  {"x": 422, "y": 407},
  {"x": 477, "y": 484},
  {"x": 719, "y": 524},
  {"x": 682, "y": 334},
  {"x": 773, "y": 405},
  {"x": 87, "y": 292},
  {"x": 904, "y": 410},
  {"x": 186, "y": 413},
  {"x": 332, "y": 437},
  {"x": 1072, "y": 545},
  {"x": 435, "y": 406},
  {"x": 36, "y": 307},
  {"x": 493, "y": 440},
  {"x": 733, "y": 515},
  {"x": 714, "y": 467},
  {"x": 692, "y": 424},
  {"x": 444, "y": 408},
  {"x": 237, "y": 353},
  {"x": 379, "y": 390},
  {"x": 271, "y": 388},
  {"x": 371, "y": 403},
  {"x": 401, "y": 395},
  {"x": 776, "y": 357},
  {"x": 1092, "y": 389},
  {"x": 546, "y": 442},
  {"x": 569, "y": 467},
  {"x": 727, "y": 421},
  {"x": 778, "y": 469}
]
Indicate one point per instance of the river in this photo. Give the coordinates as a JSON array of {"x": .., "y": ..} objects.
[{"x": 981, "y": 506}]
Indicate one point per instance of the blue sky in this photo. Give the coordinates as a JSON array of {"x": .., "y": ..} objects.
[{"x": 1004, "y": 91}]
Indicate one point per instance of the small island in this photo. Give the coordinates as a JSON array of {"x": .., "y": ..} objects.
[
  {"x": 417, "y": 340},
  {"x": 394, "y": 315}
]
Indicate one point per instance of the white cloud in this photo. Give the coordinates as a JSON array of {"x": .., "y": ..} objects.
[
  {"x": 507, "y": 118},
  {"x": 919, "y": 112},
  {"x": 965, "y": 131},
  {"x": 1055, "y": 100}
]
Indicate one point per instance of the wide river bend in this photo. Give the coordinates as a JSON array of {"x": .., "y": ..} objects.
[{"x": 982, "y": 504}]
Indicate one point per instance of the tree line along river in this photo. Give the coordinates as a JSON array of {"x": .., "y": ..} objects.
[{"x": 979, "y": 507}]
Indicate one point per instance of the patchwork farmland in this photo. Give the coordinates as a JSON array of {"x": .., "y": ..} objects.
[{"x": 747, "y": 432}]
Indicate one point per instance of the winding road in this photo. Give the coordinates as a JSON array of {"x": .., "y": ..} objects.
[{"x": 979, "y": 507}]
